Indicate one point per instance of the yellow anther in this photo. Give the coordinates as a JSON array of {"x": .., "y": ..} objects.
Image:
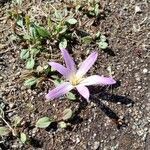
[{"x": 75, "y": 80}]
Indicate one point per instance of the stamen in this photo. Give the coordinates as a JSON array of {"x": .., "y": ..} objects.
[{"x": 75, "y": 80}]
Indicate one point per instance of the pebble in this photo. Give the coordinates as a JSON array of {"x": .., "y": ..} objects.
[
  {"x": 77, "y": 140},
  {"x": 145, "y": 129},
  {"x": 96, "y": 145},
  {"x": 11, "y": 105},
  {"x": 18, "y": 73},
  {"x": 112, "y": 137},
  {"x": 34, "y": 131},
  {"x": 144, "y": 136},
  {"x": 137, "y": 9},
  {"x": 129, "y": 105},
  {"x": 29, "y": 91},
  {"x": 145, "y": 70},
  {"x": 140, "y": 132},
  {"x": 137, "y": 79},
  {"x": 10, "y": 114},
  {"x": 23, "y": 88},
  {"x": 94, "y": 135},
  {"x": 119, "y": 103}
]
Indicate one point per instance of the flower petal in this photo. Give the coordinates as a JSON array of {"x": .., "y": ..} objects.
[
  {"x": 87, "y": 64},
  {"x": 59, "y": 91},
  {"x": 96, "y": 79},
  {"x": 68, "y": 60},
  {"x": 60, "y": 68},
  {"x": 83, "y": 91}
]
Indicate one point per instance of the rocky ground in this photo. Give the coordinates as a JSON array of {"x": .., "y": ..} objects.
[{"x": 117, "y": 117}]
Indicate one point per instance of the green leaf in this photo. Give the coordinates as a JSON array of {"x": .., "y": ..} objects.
[
  {"x": 42, "y": 32},
  {"x": 46, "y": 67},
  {"x": 67, "y": 114},
  {"x": 97, "y": 34},
  {"x": 63, "y": 43},
  {"x": 30, "y": 82},
  {"x": 72, "y": 21},
  {"x": 2, "y": 106},
  {"x": 20, "y": 22},
  {"x": 47, "y": 70},
  {"x": 58, "y": 28},
  {"x": 1, "y": 112},
  {"x": 23, "y": 137},
  {"x": 27, "y": 37},
  {"x": 27, "y": 22},
  {"x": 43, "y": 122},
  {"x": 16, "y": 120},
  {"x": 19, "y": 2},
  {"x": 4, "y": 131},
  {"x": 39, "y": 69},
  {"x": 58, "y": 14},
  {"x": 30, "y": 63},
  {"x": 62, "y": 124},
  {"x": 87, "y": 39},
  {"x": 58, "y": 81},
  {"x": 103, "y": 45},
  {"x": 63, "y": 29},
  {"x": 96, "y": 9},
  {"x": 34, "y": 51},
  {"x": 71, "y": 96},
  {"x": 33, "y": 32},
  {"x": 14, "y": 38},
  {"x": 103, "y": 38},
  {"x": 24, "y": 54}
]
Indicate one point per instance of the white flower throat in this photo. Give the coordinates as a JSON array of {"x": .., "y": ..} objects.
[{"x": 75, "y": 80}]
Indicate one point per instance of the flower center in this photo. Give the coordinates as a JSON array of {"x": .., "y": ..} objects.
[{"x": 75, "y": 80}]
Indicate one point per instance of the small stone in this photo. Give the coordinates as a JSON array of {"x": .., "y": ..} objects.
[
  {"x": 137, "y": 9},
  {"x": 62, "y": 125},
  {"x": 94, "y": 135},
  {"x": 23, "y": 88},
  {"x": 10, "y": 114},
  {"x": 137, "y": 79},
  {"x": 92, "y": 104},
  {"x": 29, "y": 91},
  {"x": 11, "y": 105},
  {"x": 90, "y": 120},
  {"x": 96, "y": 145},
  {"x": 134, "y": 127},
  {"x": 112, "y": 137},
  {"x": 140, "y": 132},
  {"x": 129, "y": 105},
  {"x": 145, "y": 129},
  {"x": 77, "y": 140},
  {"x": 34, "y": 131},
  {"x": 145, "y": 70},
  {"x": 18, "y": 73},
  {"x": 144, "y": 136},
  {"x": 119, "y": 103}
]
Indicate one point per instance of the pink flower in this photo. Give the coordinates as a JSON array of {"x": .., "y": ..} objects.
[{"x": 75, "y": 78}]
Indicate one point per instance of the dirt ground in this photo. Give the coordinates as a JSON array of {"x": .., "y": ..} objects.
[{"x": 117, "y": 117}]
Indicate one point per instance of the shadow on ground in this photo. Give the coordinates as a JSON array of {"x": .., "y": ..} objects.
[{"x": 100, "y": 95}]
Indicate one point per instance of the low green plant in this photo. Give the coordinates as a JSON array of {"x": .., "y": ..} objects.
[
  {"x": 12, "y": 127},
  {"x": 59, "y": 30},
  {"x": 102, "y": 42},
  {"x": 44, "y": 122}
]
